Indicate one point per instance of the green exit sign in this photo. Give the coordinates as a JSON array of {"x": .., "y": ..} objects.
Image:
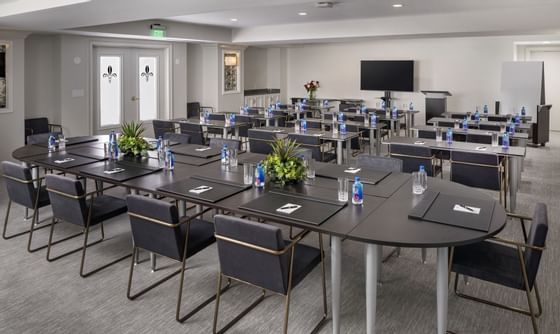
[{"x": 158, "y": 30}]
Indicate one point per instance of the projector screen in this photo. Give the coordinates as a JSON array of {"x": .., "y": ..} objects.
[{"x": 387, "y": 75}]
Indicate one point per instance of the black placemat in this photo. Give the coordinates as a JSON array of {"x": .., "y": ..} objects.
[
  {"x": 194, "y": 161},
  {"x": 74, "y": 141},
  {"x": 311, "y": 210},
  {"x": 128, "y": 172},
  {"x": 218, "y": 191},
  {"x": 367, "y": 175},
  {"x": 62, "y": 160},
  {"x": 88, "y": 152},
  {"x": 455, "y": 211},
  {"x": 198, "y": 151},
  {"x": 140, "y": 162}
]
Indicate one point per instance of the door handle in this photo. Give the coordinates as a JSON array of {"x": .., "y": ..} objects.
[{"x": 134, "y": 98}]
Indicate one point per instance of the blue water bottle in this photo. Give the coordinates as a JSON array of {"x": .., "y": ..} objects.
[
  {"x": 232, "y": 118},
  {"x": 505, "y": 141},
  {"x": 395, "y": 112},
  {"x": 357, "y": 192},
  {"x": 383, "y": 105},
  {"x": 465, "y": 124},
  {"x": 411, "y": 106},
  {"x": 373, "y": 119},
  {"x": 449, "y": 136},
  {"x": 51, "y": 144},
  {"x": 342, "y": 128},
  {"x": 325, "y": 103},
  {"x": 523, "y": 111},
  {"x": 340, "y": 117},
  {"x": 477, "y": 116},
  {"x": 517, "y": 119},
  {"x": 225, "y": 155},
  {"x": 171, "y": 160},
  {"x": 364, "y": 110},
  {"x": 485, "y": 109},
  {"x": 277, "y": 103},
  {"x": 259, "y": 176},
  {"x": 115, "y": 149},
  {"x": 303, "y": 126}
]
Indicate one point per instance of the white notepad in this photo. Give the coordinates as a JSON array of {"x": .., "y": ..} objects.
[
  {"x": 200, "y": 189},
  {"x": 288, "y": 208}
]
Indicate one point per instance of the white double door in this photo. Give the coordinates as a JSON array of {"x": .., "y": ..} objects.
[{"x": 130, "y": 85}]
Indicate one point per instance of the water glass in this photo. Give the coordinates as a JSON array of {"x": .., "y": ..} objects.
[
  {"x": 457, "y": 125},
  {"x": 343, "y": 189},
  {"x": 310, "y": 165},
  {"x": 495, "y": 136},
  {"x": 439, "y": 135},
  {"x": 248, "y": 172},
  {"x": 417, "y": 183},
  {"x": 233, "y": 157}
]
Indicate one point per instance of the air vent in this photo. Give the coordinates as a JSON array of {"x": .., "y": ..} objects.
[{"x": 324, "y": 4}]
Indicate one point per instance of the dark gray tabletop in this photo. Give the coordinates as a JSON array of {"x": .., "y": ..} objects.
[
  {"x": 516, "y": 135},
  {"x": 194, "y": 150},
  {"x": 325, "y": 135},
  {"x": 522, "y": 126}
]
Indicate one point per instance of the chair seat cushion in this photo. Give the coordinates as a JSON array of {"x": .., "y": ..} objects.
[
  {"x": 327, "y": 156},
  {"x": 489, "y": 261},
  {"x": 305, "y": 259},
  {"x": 106, "y": 207},
  {"x": 201, "y": 235}
]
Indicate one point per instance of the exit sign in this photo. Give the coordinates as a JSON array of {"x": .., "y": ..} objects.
[{"x": 158, "y": 30}]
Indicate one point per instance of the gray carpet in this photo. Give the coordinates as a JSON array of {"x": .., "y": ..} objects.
[{"x": 41, "y": 297}]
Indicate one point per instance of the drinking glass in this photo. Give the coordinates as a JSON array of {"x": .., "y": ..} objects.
[
  {"x": 495, "y": 137},
  {"x": 310, "y": 164},
  {"x": 439, "y": 135},
  {"x": 248, "y": 172},
  {"x": 233, "y": 157},
  {"x": 457, "y": 125},
  {"x": 342, "y": 189},
  {"x": 419, "y": 183}
]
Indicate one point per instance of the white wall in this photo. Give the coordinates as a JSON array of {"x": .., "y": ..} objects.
[
  {"x": 256, "y": 71},
  {"x": 467, "y": 67},
  {"x": 11, "y": 124}
]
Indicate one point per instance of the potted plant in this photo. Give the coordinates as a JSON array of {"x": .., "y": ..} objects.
[
  {"x": 311, "y": 87},
  {"x": 285, "y": 164},
  {"x": 131, "y": 141}
]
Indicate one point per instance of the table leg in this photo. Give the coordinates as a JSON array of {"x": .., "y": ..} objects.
[
  {"x": 237, "y": 133},
  {"x": 348, "y": 150},
  {"x": 336, "y": 269},
  {"x": 276, "y": 122},
  {"x": 224, "y": 133},
  {"x": 339, "y": 152},
  {"x": 514, "y": 171},
  {"x": 322, "y": 121},
  {"x": 137, "y": 258},
  {"x": 442, "y": 289},
  {"x": 372, "y": 271},
  {"x": 267, "y": 122},
  {"x": 153, "y": 255},
  {"x": 371, "y": 141}
]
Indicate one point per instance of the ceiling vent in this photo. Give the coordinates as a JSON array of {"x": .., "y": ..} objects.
[{"x": 325, "y": 4}]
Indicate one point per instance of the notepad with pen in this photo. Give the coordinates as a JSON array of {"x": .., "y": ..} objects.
[{"x": 459, "y": 211}]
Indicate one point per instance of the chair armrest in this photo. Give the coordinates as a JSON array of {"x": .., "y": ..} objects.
[
  {"x": 515, "y": 215},
  {"x": 294, "y": 241},
  {"x": 518, "y": 244}
]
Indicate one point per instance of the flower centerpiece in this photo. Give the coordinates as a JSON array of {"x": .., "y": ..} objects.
[
  {"x": 285, "y": 165},
  {"x": 311, "y": 87},
  {"x": 131, "y": 141}
]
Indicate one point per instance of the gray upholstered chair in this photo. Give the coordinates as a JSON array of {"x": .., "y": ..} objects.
[
  {"x": 380, "y": 163},
  {"x": 194, "y": 131},
  {"x": 70, "y": 204},
  {"x": 40, "y": 138},
  {"x": 157, "y": 228},
  {"x": 314, "y": 144},
  {"x": 508, "y": 263},
  {"x": 163, "y": 127},
  {"x": 414, "y": 156},
  {"x": 21, "y": 190},
  {"x": 479, "y": 170},
  {"x": 35, "y": 126},
  {"x": 180, "y": 138},
  {"x": 259, "y": 141},
  {"x": 220, "y": 142},
  {"x": 256, "y": 254},
  {"x": 479, "y": 138},
  {"x": 489, "y": 127}
]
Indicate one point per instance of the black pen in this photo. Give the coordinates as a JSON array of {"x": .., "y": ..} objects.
[
  {"x": 466, "y": 207},
  {"x": 289, "y": 207},
  {"x": 202, "y": 188}
]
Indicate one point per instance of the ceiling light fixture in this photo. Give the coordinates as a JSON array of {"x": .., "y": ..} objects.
[
  {"x": 397, "y": 5},
  {"x": 546, "y": 42},
  {"x": 302, "y": 13},
  {"x": 233, "y": 19}
]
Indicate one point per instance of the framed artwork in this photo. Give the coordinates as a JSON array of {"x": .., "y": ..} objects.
[
  {"x": 3, "y": 77},
  {"x": 231, "y": 72}
]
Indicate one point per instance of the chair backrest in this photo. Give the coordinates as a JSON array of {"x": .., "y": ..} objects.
[
  {"x": 252, "y": 111},
  {"x": 247, "y": 124},
  {"x": 537, "y": 237},
  {"x": 68, "y": 200},
  {"x": 194, "y": 131},
  {"x": 479, "y": 138},
  {"x": 380, "y": 163},
  {"x": 19, "y": 184},
  {"x": 37, "y": 125},
  {"x": 162, "y": 127},
  {"x": 354, "y": 142},
  {"x": 428, "y": 134},
  {"x": 497, "y": 118},
  {"x": 250, "y": 265},
  {"x": 282, "y": 120},
  {"x": 312, "y": 143},
  {"x": 489, "y": 127},
  {"x": 260, "y": 141},
  {"x": 220, "y": 142},
  {"x": 412, "y": 157},
  {"x": 446, "y": 124},
  {"x": 216, "y": 117},
  {"x": 41, "y": 138},
  {"x": 458, "y": 116},
  {"x": 181, "y": 138},
  {"x": 193, "y": 109},
  {"x": 475, "y": 169},
  {"x": 154, "y": 225}
]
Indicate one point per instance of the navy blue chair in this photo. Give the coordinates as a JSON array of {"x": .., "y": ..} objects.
[
  {"x": 180, "y": 138},
  {"x": 313, "y": 143},
  {"x": 414, "y": 156},
  {"x": 194, "y": 131},
  {"x": 508, "y": 263},
  {"x": 257, "y": 254},
  {"x": 260, "y": 141},
  {"x": 35, "y": 126},
  {"x": 163, "y": 127},
  {"x": 157, "y": 228},
  {"x": 220, "y": 142}
]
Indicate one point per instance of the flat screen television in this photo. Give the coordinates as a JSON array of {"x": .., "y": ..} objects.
[{"x": 387, "y": 75}]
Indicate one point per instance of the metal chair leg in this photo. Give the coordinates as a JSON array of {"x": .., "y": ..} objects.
[
  {"x": 424, "y": 253},
  {"x": 5, "y": 235},
  {"x": 84, "y": 248},
  {"x": 51, "y": 243}
]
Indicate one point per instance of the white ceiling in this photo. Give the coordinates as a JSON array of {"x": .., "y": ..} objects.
[{"x": 258, "y": 18}]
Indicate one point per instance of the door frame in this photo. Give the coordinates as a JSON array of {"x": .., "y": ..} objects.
[{"x": 167, "y": 111}]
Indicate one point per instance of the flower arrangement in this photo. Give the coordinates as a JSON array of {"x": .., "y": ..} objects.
[
  {"x": 131, "y": 141},
  {"x": 285, "y": 165},
  {"x": 311, "y": 87}
]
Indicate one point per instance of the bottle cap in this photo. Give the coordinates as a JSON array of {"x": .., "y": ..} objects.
[
  {"x": 422, "y": 168},
  {"x": 356, "y": 179}
]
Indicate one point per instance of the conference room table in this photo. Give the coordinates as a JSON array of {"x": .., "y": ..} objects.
[
  {"x": 501, "y": 117},
  {"x": 523, "y": 127},
  {"x": 394, "y": 123},
  {"x": 514, "y": 156},
  {"x": 383, "y": 219},
  {"x": 516, "y": 139},
  {"x": 215, "y": 124}
]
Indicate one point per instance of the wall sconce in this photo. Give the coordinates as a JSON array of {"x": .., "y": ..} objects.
[{"x": 230, "y": 59}]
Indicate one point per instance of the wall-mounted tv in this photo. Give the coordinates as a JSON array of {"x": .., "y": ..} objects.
[{"x": 387, "y": 75}]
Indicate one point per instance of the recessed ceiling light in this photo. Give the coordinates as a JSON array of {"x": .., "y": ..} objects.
[
  {"x": 397, "y": 5},
  {"x": 302, "y": 13},
  {"x": 233, "y": 19},
  {"x": 546, "y": 42}
]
